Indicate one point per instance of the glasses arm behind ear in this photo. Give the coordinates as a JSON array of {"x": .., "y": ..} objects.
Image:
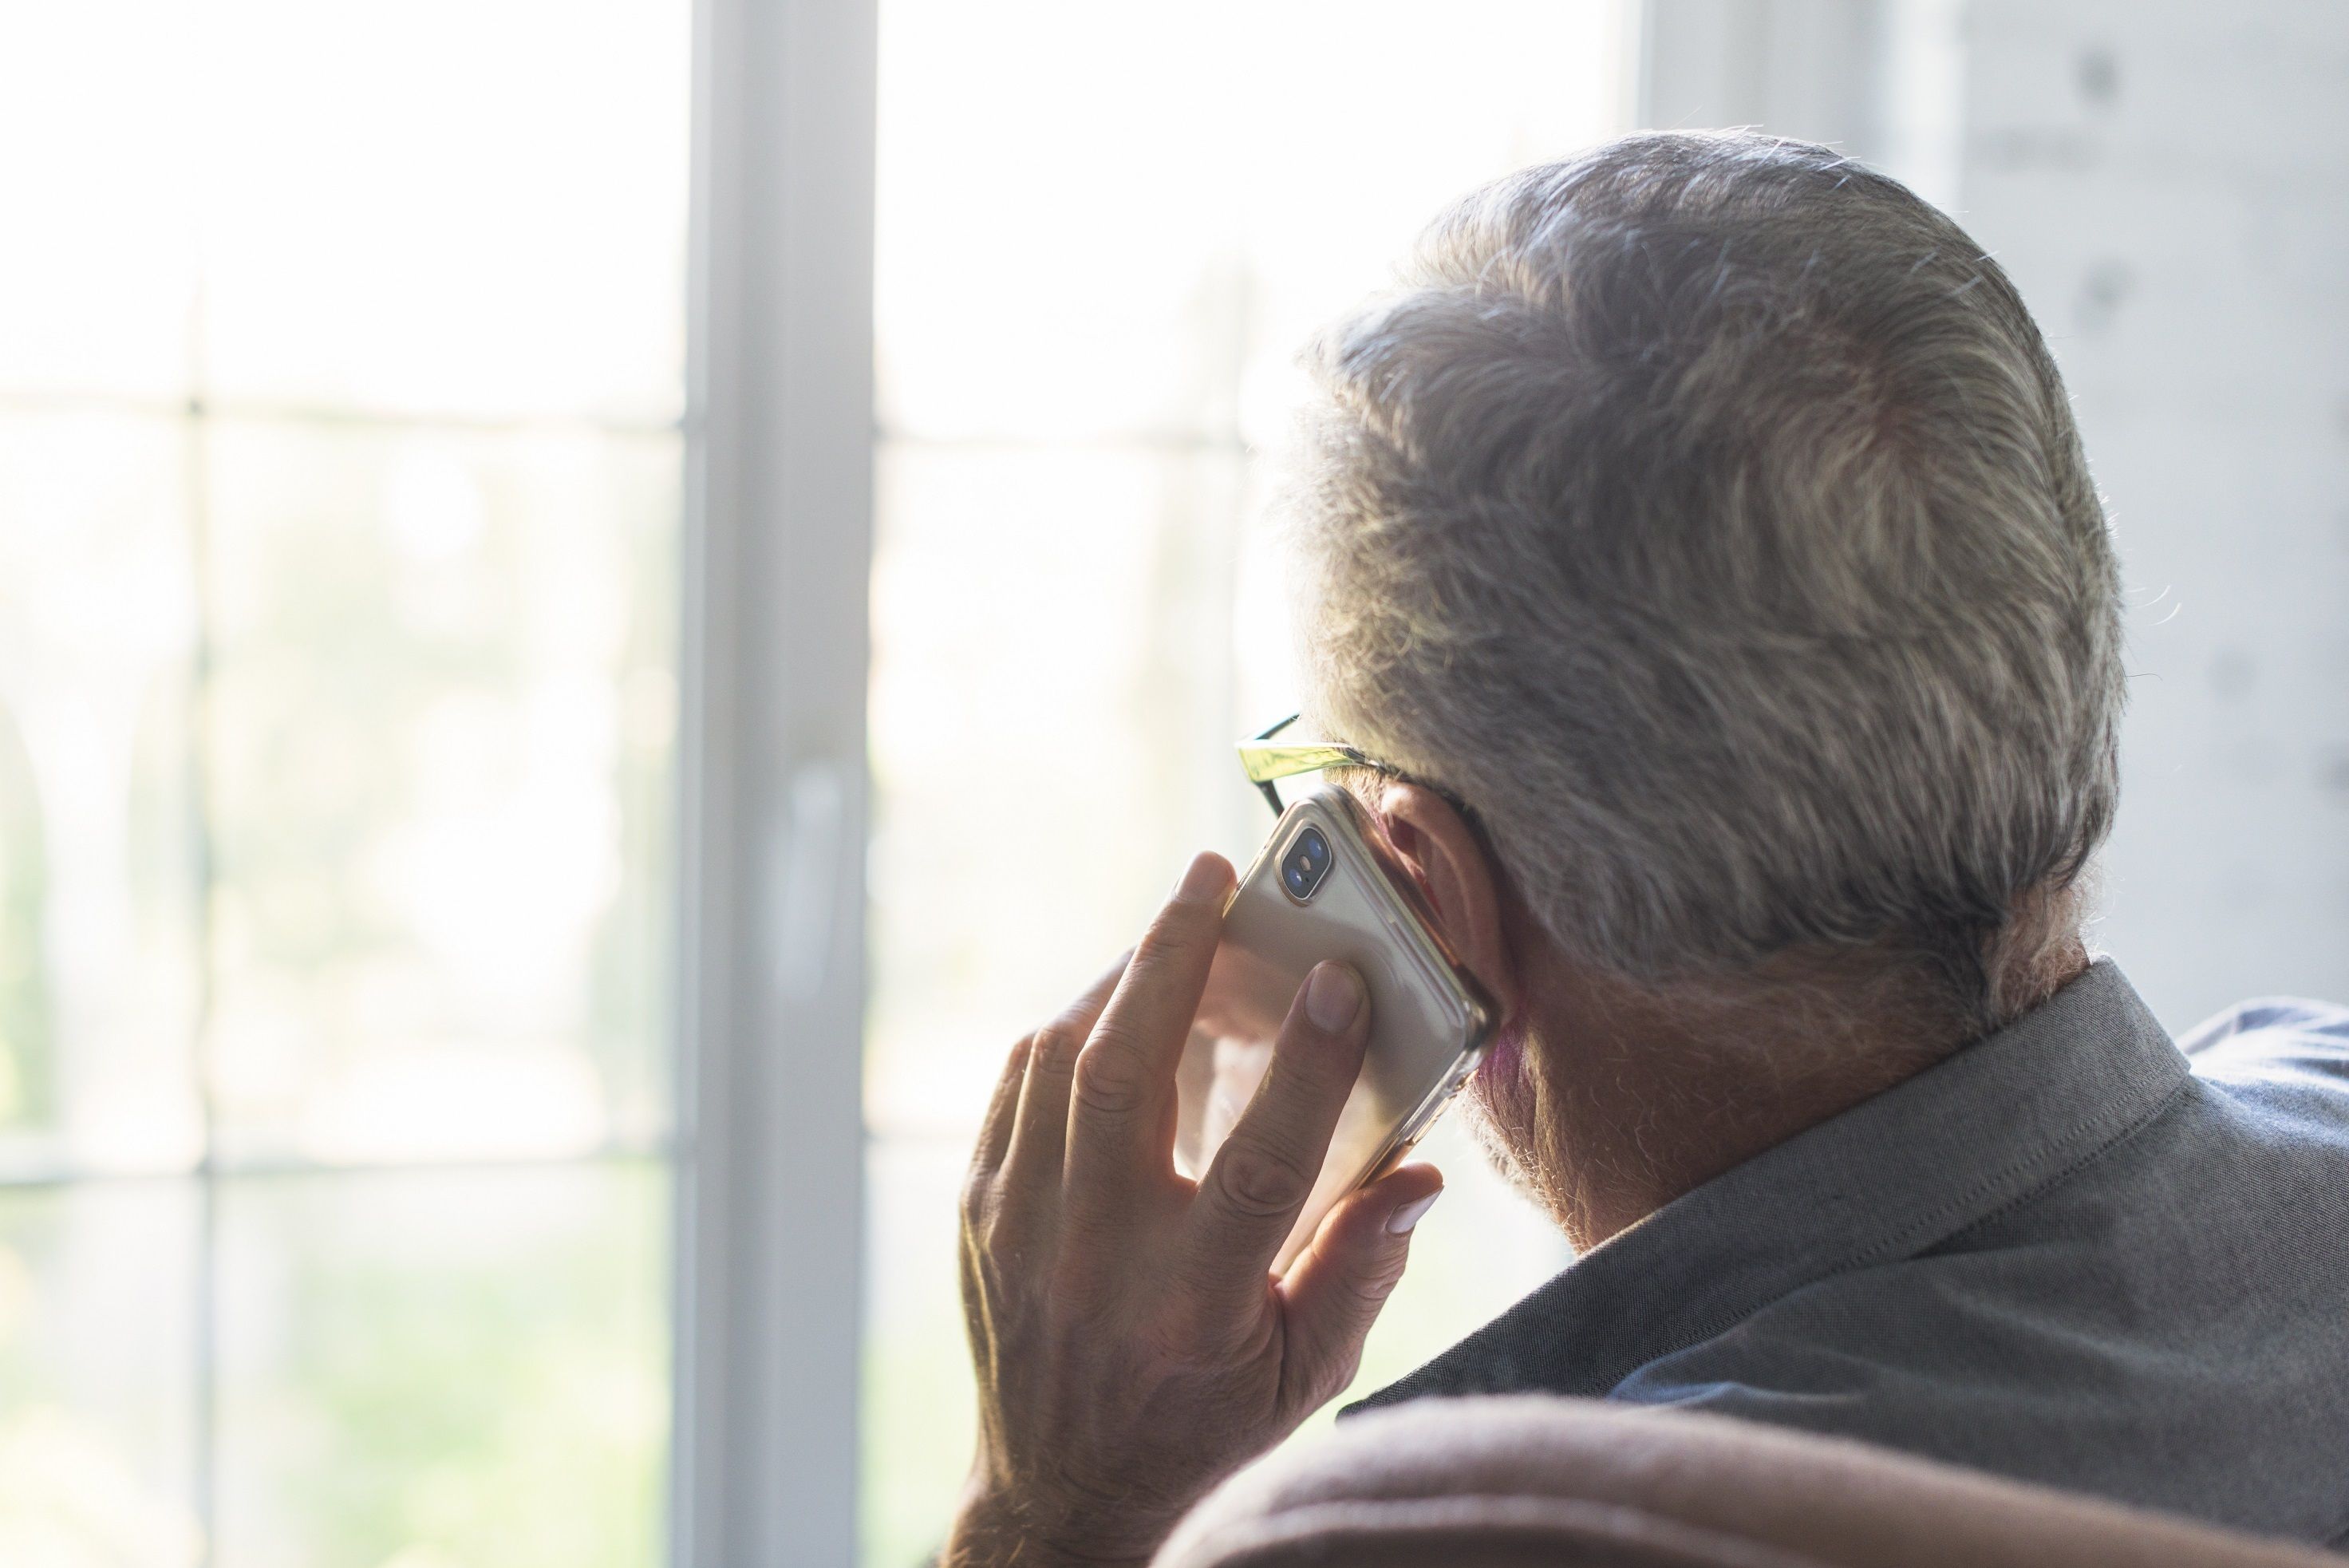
[{"x": 1267, "y": 760}]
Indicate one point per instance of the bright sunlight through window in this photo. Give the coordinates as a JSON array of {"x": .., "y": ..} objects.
[{"x": 340, "y": 499}]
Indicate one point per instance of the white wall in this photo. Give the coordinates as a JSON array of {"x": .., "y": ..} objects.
[{"x": 2166, "y": 182}]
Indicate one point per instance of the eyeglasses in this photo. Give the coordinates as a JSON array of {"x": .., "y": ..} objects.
[{"x": 1267, "y": 761}]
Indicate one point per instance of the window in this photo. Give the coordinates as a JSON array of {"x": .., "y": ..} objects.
[
  {"x": 428, "y": 872},
  {"x": 342, "y": 445},
  {"x": 1103, "y": 233}
]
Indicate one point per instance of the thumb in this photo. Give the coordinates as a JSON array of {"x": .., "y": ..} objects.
[{"x": 1332, "y": 1294}]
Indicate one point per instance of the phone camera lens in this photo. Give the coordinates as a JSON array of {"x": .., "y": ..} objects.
[{"x": 1305, "y": 864}]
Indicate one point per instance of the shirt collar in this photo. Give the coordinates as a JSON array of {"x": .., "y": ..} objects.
[{"x": 1886, "y": 1179}]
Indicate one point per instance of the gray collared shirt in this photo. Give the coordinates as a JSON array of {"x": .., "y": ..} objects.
[{"x": 2074, "y": 1253}]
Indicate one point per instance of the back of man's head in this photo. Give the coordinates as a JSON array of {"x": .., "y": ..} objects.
[{"x": 1707, "y": 513}]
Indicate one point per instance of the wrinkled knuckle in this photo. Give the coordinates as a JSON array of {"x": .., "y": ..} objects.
[
  {"x": 1321, "y": 1074},
  {"x": 1180, "y": 931},
  {"x": 1073, "y": 1300},
  {"x": 1373, "y": 1285},
  {"x": 979, "y": 1196},
  {"x": 1260, "y": 1181},
  {"x": 1107, "y": 1083},
  {"x": 1054, "y": 1049}
]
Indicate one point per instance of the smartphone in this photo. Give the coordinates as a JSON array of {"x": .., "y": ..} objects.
[{"x": 1319, "y": 890}]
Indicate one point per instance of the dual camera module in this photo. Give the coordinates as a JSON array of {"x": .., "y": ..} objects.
[{"x": 1305, "y": 866}]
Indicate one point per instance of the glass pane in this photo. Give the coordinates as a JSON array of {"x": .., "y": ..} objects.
[
  {"x": 1333, "y": 196},
  {"x": 446, "y": 205},
  {"x": 97, "y": 847},
  {"x": 1046, "y": 754},
  {"x": 1240, "y": 180},
  {"x": 1031, "y": 279},
  {"x": 468, "y": 1370},
  {"x": 439, "y": 765},
  {"x": 97, "y": 1342},
  {"x": 920, "y": 1410},
  {"x": 97, "y": 274}
]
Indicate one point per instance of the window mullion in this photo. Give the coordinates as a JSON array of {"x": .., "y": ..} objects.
[{"x": 769, "y": 1214}]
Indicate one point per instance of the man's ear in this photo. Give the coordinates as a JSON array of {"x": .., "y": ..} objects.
[{"x": 1457, "y": 878}]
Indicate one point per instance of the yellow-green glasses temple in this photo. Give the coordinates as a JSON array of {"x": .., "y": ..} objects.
[{"x": 1267, "y": 761}]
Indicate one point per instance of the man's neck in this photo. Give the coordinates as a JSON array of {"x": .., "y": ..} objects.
[{"x": 1626, "y": 1099}]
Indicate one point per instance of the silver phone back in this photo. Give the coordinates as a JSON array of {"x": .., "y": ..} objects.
[{"x": 1429, "y": 1021}]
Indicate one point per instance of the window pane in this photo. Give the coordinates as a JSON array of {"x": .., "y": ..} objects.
[
  {"x": 1336, "y": 195},
  {"x": 1034, "y": 279},
  {"x": 447, "y": 205},
  {"x": 98, "y": 850},
  {"x": 439, "y": 763},
  {"x": 1240, "y": 178},
  {"x": 444, "y": 1369},
  {"x": 97, "y": 1346},
  {"x": 1047, "y": 754},
  {"x": 920, "y": 1410},
  {"x": 98, "y": 272}
]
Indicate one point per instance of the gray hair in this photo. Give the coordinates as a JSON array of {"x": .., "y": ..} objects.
[{"x": 1707, "y": 513}]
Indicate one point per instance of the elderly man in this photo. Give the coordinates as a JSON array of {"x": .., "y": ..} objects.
[{"x": 1706, "y": 518}]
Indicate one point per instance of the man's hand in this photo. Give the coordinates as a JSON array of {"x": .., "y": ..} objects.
[{"x": 1132, "y": 1348}]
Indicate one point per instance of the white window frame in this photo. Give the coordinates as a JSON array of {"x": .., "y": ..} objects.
[{"x": 772, "y": 788}]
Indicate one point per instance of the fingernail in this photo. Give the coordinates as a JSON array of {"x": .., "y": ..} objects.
[
  {"x": 1332, "y": 996},
  {"x": 1202, "y": 880},
  {"x": 1399, "y": 1222}
]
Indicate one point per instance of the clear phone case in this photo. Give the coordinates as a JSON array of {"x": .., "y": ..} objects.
[{"x": 1429, "y": 1020}]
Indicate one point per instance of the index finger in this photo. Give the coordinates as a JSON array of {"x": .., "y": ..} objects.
[{"x": 1120, "y": 1110}]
